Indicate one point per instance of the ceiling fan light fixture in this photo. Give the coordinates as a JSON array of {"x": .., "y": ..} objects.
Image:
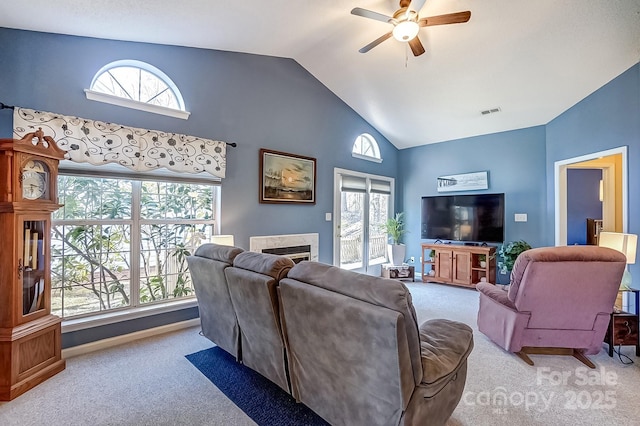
[{"x": 406, "y": 30}]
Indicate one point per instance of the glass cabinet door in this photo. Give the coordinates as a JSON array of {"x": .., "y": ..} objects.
[{"x": 33, "y": 265}]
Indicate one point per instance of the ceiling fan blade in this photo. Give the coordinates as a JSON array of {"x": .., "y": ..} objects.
[
  {"x": 375, "y": 42},
  {"x": 370, "y": 14},
  {"x": 450, "y": 18},
  {"x": 416, "y": 46}
]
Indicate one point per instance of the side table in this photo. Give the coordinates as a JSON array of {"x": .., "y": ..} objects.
[
  {"x": 623, "y": 326},
  {"x": 398, "y": 272}
]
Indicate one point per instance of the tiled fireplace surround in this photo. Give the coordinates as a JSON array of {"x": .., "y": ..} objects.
[{"x": 296, "y": 246}]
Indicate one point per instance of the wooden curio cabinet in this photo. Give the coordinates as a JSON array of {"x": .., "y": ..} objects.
[{"x": 30, "y": 340}]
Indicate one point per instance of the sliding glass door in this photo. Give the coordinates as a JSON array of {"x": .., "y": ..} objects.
[{"x": 362, "y": 203}]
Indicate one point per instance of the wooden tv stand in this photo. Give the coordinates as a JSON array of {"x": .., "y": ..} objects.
[{"x": 458, "y": 264}]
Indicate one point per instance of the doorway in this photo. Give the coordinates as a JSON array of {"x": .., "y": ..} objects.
[
  {"x": 613, "y": 164},
  {"x": 362, "y": 203},
  {"x": 585, "y": 190}
]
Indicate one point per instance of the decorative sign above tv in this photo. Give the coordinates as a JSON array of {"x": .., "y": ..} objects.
[
  {"x": 469, "y": 218},
  {"x": 463, "y": 182}
]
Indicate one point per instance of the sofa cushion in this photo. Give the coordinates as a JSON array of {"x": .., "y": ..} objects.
[
  {"x": 391, "y": 294},
  {"x": 559, "y": 254},
  {"x": 348, "y": 359},
  {"x": 254, "y": 296},
  {"x": 217, "y": 316},
  {"x": 445, "y": 347},
  {"x": 217, "y": 252},
  {"x": 271, "y": 265}
]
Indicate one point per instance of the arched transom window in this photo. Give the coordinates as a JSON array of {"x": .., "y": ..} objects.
[
  {"x": 138, "y": 85},
  {"x": 366, "y": 147}
]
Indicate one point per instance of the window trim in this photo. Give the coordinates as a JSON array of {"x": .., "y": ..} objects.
[
  {"x": 366, "y": 157},
  {"x": 140, "y": 106},
  {"x": 376, "y": 158},
  {"x": 94, "y": 95},
  {"x": 125, "y": 314}
]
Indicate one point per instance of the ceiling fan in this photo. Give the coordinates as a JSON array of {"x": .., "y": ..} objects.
[{"x": 406, "y": 24}]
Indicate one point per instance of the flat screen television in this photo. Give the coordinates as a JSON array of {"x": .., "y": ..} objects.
[{"x": 468, "y": 218}]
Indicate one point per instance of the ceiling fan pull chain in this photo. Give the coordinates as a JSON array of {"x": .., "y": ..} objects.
[{"x": 406, "y": 56}]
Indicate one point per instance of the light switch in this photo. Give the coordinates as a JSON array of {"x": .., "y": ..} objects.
[
  {"x": 327, "y": 217},
  {"x": 521, "y": 217}
]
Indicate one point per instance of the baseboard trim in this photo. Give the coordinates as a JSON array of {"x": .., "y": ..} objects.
[{"x": 126, "y": 338}]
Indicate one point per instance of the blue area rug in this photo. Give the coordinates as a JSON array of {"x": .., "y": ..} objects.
[{"x": 258, "y": 397}]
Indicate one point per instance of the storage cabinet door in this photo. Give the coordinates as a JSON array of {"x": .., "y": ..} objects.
[
  {"x": 462, "y": 267},
  {"x": 444, "y": 265},
  {"x": 33, "y": 266}
]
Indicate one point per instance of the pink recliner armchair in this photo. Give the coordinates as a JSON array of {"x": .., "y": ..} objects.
[{"x": 559, "y": 302}]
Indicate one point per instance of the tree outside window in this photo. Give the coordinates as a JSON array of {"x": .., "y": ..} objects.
[{"x": 120, "y": 243}]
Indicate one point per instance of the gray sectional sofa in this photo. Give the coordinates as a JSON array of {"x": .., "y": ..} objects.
[{"x": 345, "y": 344}]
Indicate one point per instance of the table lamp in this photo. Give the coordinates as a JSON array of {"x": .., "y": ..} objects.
[
  {"x": 223, "y": 240},
  {"x": 626, "y": 243}
]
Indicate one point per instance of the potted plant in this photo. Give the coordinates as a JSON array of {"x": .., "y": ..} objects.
[
  {"x": 482, "y": 260},
  {"x": 509, "y": 252},
  {"x": 432, "y": 255},
  {"x": 394, "y": 227}
]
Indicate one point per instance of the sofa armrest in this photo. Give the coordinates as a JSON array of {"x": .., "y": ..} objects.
[
  {"x": 495, "y": 293},
  {"x": 445, "y": 346}
]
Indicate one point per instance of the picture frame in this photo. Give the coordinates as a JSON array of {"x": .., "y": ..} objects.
[
  {"x": 463, "y": 182},
  {"x": 287, "y": 178}
]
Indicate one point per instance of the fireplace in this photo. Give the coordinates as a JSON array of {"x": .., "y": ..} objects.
[
  {"x": 297, "y": 247},
  {"x": 295, "y": 253}
]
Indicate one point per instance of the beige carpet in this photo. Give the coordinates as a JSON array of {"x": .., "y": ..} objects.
[
  {"x": 149, "y": 382},
  {"x": 502, "y": 390}
]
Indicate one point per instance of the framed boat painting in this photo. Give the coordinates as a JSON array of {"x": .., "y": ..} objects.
[{"x": 287, "y": 178}]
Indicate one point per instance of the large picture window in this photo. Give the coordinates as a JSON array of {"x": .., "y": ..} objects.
[{"x": 122, "y": 243}]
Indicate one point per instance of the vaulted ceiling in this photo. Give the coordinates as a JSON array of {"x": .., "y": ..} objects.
[{"x": 532, "y": 60}]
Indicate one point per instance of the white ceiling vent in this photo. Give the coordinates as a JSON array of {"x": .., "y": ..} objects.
[{"x": 490, "y": 111}]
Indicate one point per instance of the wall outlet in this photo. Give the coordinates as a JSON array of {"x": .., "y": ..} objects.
[
  {"x": 412, "y": 259},
  {"x": 420, "y": 259}
]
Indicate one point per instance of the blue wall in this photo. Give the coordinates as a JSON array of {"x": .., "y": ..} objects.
[
  {"x": 256, "y": 101},
  {"x": 583, "y": 201},
  {"x": 515, "y": 161},
  {"x": 521, "y": 162},
  {"x": 608, "y": 118},
  {"x": 260, "y": 101}
]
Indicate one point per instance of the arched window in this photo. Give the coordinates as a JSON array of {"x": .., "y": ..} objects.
[
  {"x": 137, "y": 85},
  {"x": 366, "y": 148}
]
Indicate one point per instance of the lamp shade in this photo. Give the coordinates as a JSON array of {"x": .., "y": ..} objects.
[
  {"x": 223, "y": 240},
  {"x": 626, "y": 243}
]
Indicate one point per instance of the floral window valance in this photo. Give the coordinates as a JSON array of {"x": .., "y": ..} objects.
[{"x": 98, "y": 143}]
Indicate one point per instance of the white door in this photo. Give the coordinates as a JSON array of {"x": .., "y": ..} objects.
[{"x": 362, "y": 203}]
